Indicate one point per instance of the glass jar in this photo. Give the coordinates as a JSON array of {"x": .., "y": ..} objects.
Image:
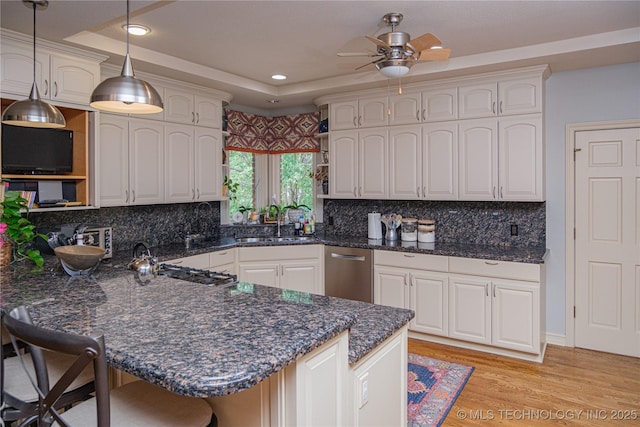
[
  {"x": 427, "y": 230},
  {"x": 409, "y": 230}
]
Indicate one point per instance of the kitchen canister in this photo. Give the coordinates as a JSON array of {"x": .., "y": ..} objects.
[
  {"x": 426, "y": 230},
  {"x": 409, "y": 230},
  {"x": 375, "y": 226}
]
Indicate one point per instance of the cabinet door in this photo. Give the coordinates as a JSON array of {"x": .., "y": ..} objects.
[
  {"x": 208, "y": 164},
  {"x": 343, "y": 168},
  {"x": 303, "y": 276},
  {"x": 440, "y": 105},
  {"x": 477, "y": 101},
  {"x": 372, "y": 112},
  {"x": 114, "y": 160},
  {"x": 146, "y": 157},
  {"x": 469, "y": 309},
  {"x": 516, "y": 316},
  {"x": 73, "y": 79},
  {"x": 261, "y": 273},
  {"x": 372, "y": 164},
  {"x": 390, "y": 287},
  {"x": 178, "y": 106},
  {"x": 405, "y": 163},
  {"x": 521, "y": 166},
  {"x": 405, "y": 109},
  {"x": 440, "y": 161},
  {"x": 343, "y": 115},
  {"x": 478, "y": 159},
  {"x": 208, "y": 112},
  {"x": 520, "y": 96},
  {"x": 429, "y": 299},
  {"x": 16, "y": 69},
  {"x": 179, "y": 163}
]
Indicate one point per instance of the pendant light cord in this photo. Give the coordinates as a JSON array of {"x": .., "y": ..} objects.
[
  {"x": 34, "y": 41},
  {"x": 127, "y": 29}
]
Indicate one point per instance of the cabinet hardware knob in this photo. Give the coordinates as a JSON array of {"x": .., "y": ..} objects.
[
  {"x": 46, "y": 86},
  {"x": 133, "y": 195},
  {"x": 493, "y": 107},
  {"x": 501, "y": 196},
  {"x": 355, "y": 123},
  {"x": 418, "y": 191},
  {"x": 55, "y": 88},
  {"x": 500, "y": 107},
  {"x": 491, "y": 263},
  {"x": 126, "y": 196},
  {"x": 409, "y": 256},
  {"x": 424, "y": 115},
  {"x": 418, "y": 115},
  {"x": 193, "y": 117},
  {"x": 197, "y": 117},
  {"x": 493, "y": 192},
  {"x": 360, "y": 121}
]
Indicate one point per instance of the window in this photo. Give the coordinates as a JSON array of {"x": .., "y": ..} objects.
[{"x": 260, "y": 177}]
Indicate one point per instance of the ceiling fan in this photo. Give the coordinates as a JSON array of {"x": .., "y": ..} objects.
[{"x": 396, "y": 52}]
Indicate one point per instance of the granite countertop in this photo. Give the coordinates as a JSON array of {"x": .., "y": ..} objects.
[
  {"x": 193, "y": 339},
  {"x": 533, "y": 255}
]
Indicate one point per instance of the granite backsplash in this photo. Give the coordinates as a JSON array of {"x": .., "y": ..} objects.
[{"x": 483, "y": 223}]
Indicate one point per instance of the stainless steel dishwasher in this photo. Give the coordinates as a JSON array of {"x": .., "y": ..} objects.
[{"x": 348, "y": 273}]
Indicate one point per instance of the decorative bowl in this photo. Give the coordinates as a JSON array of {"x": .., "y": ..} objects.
[{"x": 79, "y": 260}]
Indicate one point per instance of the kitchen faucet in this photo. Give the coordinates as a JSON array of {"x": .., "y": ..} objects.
[{"x": 277, "y": 218}]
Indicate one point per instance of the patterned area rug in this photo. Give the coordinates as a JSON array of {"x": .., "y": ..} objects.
[{"x": 433, "y": 386}]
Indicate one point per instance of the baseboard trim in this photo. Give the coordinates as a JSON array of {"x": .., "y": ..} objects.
[{"x": 556, "y": 339}]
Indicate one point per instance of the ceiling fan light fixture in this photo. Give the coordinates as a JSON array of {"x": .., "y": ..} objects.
[
  {"x": 137, "y": 29},
  {"x": 126, "y": 93},
  {"x": 393, "y": 68},
  {"x": 33, "y": 112}
]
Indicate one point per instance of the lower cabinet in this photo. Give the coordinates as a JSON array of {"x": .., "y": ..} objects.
[
  {"x": 466, "y": 301},
  {"x": 298, "y": 268}
]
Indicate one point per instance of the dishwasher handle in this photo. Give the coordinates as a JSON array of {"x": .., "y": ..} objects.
[{"x": 348, "y": 257}]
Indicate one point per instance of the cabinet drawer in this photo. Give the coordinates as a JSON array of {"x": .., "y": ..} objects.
[
  {"x": 279, "y": 253},
  {"x": 411, "y": 260},
  {"x": 491, "y": 268},
  {"x": 226, "y": 256}
]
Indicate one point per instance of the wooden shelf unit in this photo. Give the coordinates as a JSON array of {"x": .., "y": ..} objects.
[{"x": 78, "y": 122}]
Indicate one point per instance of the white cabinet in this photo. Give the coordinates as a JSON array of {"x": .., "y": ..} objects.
[
  {"x": 500, "y": 304},
  {"x": 502, "y": 159},
  {"x": 297, "y": 268},
  {"x": 192, "y": 163},
  {"x": 505, "y": 97},
  {"x": 223, "y": 261},
  {"x": 359, "y": 113},
  {"x": 415, "y": 281},
  {"x": 358, "y": 164},
  {"x": 131, "y": 161},
  {"x": 190, "y": 108},
  {"x": 440, "y": 161},
  {"x": 60, "y": 76},
  {"x": 431, "y": 105},
  {"x": 405, "y": 162},
  {"x": 200, "y": 261}
]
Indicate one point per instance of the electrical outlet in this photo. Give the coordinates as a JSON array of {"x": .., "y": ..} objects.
[
  {"x": 514, "y": 229},
  {"x": 364, "y": 390},
  {"x": 330, "y": 219}
]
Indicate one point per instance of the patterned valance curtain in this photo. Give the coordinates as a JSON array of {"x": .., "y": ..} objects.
[{"x": 272, "y": 135}]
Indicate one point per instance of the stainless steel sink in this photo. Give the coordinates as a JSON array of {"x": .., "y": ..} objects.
[
  {"x": 252, "y": 239},
  {"x": 272, "y": 239}
]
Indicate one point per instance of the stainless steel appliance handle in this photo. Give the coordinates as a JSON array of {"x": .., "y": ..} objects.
[{"x": 347, "y": 257}]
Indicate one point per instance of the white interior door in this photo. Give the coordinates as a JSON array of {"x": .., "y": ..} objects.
[{"x": 607, "y": 251}]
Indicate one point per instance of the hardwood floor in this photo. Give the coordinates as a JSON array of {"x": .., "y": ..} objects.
[{"x": 573, "y": 387}]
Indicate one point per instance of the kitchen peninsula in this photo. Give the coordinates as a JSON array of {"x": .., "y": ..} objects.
[{"x": 302, "y": 353}]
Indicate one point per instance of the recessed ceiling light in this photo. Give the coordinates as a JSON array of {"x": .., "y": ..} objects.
[
  {"x": 278, "y": 77},
  {"x": 137, "y": 30},
  {"x": 273, "y": 101}
]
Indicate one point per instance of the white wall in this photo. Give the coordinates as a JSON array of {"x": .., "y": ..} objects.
[{"x": 591, "y": 95}]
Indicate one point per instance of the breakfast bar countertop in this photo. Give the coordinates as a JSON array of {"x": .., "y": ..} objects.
[{"x": 194, "y": 339}]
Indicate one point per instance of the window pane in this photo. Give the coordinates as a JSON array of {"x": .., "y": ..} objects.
[
  {"x": 241, "y": 171},
  {"x": 296, "y": 184}
]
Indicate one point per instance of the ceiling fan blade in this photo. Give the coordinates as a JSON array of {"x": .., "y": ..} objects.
[
  {"x": 369, "y": 63},
  {"x": 378, "y": 42},
  {"x": 346, "y": 54},
  {"x": 434, "y": 54},
  {"x": 424, "y": 42}
]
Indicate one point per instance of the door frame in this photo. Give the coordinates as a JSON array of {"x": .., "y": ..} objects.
[{"x": 570, "y": 207}]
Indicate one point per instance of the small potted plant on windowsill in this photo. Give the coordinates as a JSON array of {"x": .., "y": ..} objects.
[
  {"x": 229, "y": 188},
  {"x": 321, "y": 175},
  {"x": 17, "y": 234},
  {"x": 295, "y": 211}
]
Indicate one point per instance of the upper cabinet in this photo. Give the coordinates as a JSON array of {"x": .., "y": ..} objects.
[
  {"x": 190, "y": 108},
  {"x": 60, "y": 76},
  {"x": 432, "y": 105},
  {"x": 501, "y": 98},
  {"x": 361, "y": 113}
]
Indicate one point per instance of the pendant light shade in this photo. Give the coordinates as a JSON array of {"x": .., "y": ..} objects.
[
  {"x": 33, "y": 112},
  {"x": 126, "y": 93}
]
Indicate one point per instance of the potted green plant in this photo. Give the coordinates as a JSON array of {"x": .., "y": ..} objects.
[
  {"x": 16, "y": 231},
  {"x": 229, "y": 188},
  {"x": 295, "y": 211}
]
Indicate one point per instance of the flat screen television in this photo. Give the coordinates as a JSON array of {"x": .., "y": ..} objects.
[{"x": 36, "y": 150}]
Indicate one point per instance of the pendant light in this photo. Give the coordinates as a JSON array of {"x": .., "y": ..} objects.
[
  {"x": 126, "y": 93},
  {"x": 33, "y": 112}
]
